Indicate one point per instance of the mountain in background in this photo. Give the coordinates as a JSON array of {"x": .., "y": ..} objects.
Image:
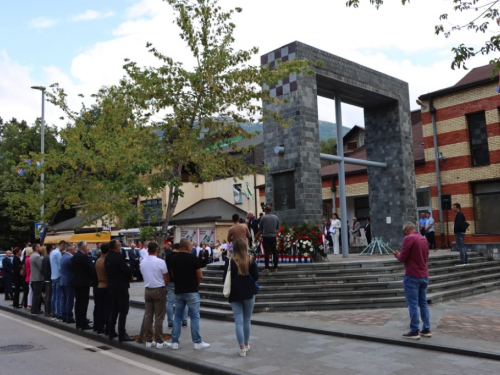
[{"x": 326, "y": 129}]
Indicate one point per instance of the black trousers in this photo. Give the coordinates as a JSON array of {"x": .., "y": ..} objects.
[
  {"x": 37, "y": 296},
  {"x": 270, "y": 247},
  {"x": 7, "y": 286},
  {"x": 81, "y": 305},
  {"x": 102, "y": 303},
  {"x": 119, "y": 308},
  {"x": 17, "y": 290},
  {"x": 48, "y": 298},
  {"x": 431, "y": 240}
]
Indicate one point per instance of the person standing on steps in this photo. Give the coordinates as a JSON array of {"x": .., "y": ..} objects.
[
  {"x": 459, "y": 228},
  {"x": 269, "y": 224},
  {"x": 368, "y": 231},
  {"x": 243, "y": 275},
  {"x": 414, "y": 254},
  {"x": 335, "y": 232},
  {"x": 429, "y": 231}
]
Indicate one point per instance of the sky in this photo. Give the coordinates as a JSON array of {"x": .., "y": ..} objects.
[{"x": 81, "y": 45}]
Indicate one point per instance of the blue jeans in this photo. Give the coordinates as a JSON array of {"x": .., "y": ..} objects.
[
  {"x": 192, "y": 301},
  {"x": 459, "y": 239},
  {"x": 56, "y": 300},
  {"x": 68, "y": 302},
  {"x": 416, "y": 297},
  {"x": 170, "y": 304},
  {"x": 242, "y": 311}
]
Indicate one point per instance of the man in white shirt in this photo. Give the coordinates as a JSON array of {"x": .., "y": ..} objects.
[
  {"x": 155, "y": 274},
  {"x": 144, "y": 251}
]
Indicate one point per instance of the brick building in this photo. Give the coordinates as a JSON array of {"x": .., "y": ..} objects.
[{"x": 467, "y": 123}]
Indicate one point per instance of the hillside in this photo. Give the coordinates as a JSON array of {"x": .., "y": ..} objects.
[{"x": 326, "y": 129}]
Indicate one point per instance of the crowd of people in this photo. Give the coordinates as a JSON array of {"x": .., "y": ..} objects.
[{"x": 56, "y": 282}]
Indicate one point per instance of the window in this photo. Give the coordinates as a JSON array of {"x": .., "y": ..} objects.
[
  {"x": 327, "y": 209},
  {"x": 487, "y": 207},
  {"x": 478, "y": 139},
  {"x": 238, "y": 195},
  {"x": 152, "y": 209},
  {"x": 423, "y": 198},
  {"x": 361, "y": 208}
]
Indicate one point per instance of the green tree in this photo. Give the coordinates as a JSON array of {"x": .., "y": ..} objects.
[
  {"x": 483, "y": 13},
  {"x": 17, "y": 138},
  {"x": 98, "y": 170},
  {"x": 201, "y": 107},
  {"x": 329, "y": 146}
]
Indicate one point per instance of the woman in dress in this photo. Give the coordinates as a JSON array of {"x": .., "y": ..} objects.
[
  {"x": 244, "y": 273},
  {"x": 335, "y": 232},
  {"x": 217, "y": 251},
  {"x": 28, "y": 292},
  {"x": 203, "y": 255}
]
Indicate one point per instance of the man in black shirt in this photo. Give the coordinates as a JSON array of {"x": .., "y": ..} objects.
[
  {"x": 459, "y": 229},
  {"x": 119, "y": 276},
  {"x": 186, "y": 270},
  {"x": 171, "y": 290}
]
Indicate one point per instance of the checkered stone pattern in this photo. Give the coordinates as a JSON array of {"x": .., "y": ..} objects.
[{"x": 289, "y": 84}]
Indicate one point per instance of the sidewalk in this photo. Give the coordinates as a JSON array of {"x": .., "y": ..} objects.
[
  {"x": 317, "y": 350},
  {"x": 469, "y": 326}
]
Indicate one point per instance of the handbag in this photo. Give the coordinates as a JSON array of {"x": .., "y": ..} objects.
[
  {"x": 22, "y": 272},
  {"x": 257, "y": 287},
  {"x": 227, "y": 282}
]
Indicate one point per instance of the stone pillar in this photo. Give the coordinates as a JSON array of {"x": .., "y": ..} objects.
[{"x": 293, "y": 181}]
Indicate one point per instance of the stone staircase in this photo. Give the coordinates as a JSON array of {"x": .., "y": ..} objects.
[{"x": 353, "y": 285}]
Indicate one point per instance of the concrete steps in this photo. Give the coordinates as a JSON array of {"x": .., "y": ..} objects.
[{"x": 354, "y": 285}]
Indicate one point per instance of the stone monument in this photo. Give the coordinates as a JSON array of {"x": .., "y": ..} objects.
[{"x": 293, "y": 180}]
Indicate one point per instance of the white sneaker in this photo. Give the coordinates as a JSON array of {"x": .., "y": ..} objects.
[
  {"x": 172, "y": 345},
  {"x": 243, "y": 352},
  {"x": 247, "y": 347},
  {"x": 160, "y": 345},
  {"x": 150, "y": 344},
  {"x": 201, "y": 345}
]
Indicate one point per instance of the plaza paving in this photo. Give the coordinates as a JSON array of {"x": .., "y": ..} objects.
[{"x": 340, "y": 342}]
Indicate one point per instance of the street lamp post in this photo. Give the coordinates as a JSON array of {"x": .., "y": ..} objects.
[{"x": 42, "y": 147}]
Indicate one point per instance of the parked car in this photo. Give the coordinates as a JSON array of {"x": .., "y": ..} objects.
[{"x": 2, "y": 256}]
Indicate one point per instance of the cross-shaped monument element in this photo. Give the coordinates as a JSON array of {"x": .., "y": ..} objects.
[{"x": 292, "y": 155}]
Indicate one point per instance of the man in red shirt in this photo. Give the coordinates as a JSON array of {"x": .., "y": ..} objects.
[{"x": 414, "y": 254}]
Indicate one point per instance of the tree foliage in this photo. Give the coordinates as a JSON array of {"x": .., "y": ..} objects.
[
  {"x": 201, "y": 107},
  {"x": 483, "y": 14},
  {"x": 17, "y": 139},
  {"x": 329, "y": 146},
  {"x": 98, "y": 169}
]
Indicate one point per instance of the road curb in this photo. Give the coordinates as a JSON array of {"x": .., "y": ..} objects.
[{"x": 168, "y": 357}]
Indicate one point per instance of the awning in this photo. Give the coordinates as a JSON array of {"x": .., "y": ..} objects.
[{"x": 134, "y": 231}]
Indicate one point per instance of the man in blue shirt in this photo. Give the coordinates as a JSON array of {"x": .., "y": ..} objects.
[
  {"x": 422, "y": 223},
  {"x": 55, "y": 271},
  {"x": 429, "y": 231},
  {"x": 68, "y": 291},
  {"x": 7, "y": 275}
]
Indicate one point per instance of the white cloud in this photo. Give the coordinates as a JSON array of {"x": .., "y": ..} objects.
[
  {"x": 42, "y": 22},
  {"x": 396, "y": 40},
  {"x": 90, "y": 15}
]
